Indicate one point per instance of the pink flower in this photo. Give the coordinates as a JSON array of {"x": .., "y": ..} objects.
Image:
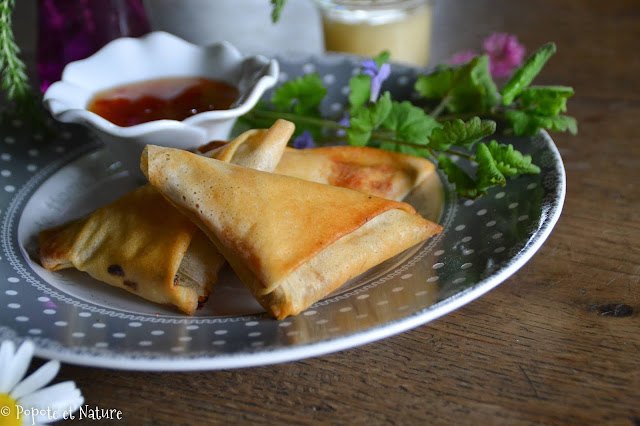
[
  {"x": 462, "y": 57},
  {"x": 505, "y": 54}
]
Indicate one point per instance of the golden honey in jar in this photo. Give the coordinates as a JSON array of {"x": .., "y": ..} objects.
[{"x": 368, "y": 27}]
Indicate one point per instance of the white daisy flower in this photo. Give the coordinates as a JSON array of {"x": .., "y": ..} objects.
[{"x": 28, "y": 402}]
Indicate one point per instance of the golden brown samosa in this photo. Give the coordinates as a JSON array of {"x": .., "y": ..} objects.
[
  {"x": 290, "y": 241},
  {"x": 142, "y": 244},
  {"x": 385, "y": 174},
  {"x": 139, "y": 243},
  {"x": 374, "y": 171}
]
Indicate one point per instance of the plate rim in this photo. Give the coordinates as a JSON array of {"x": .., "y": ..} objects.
[
  {"x": 332, "y": 345},
  {"x": 292, "y": 352}
]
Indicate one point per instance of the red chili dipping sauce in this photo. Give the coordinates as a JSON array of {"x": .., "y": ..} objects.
[{"x": 166, "y": 98}]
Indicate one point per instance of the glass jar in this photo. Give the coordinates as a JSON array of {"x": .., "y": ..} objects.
[
  {"x": 368, "y": 27},
  {"x": 246, "y": 24}
]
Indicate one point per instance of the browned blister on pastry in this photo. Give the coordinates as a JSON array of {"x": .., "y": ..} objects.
[
  {"x": 290, "y": 241},
  {"x": 385, "y": 174}
]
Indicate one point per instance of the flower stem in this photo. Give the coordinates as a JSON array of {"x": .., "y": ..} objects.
[
  {"x": 491, "y": 114},
  {"x": 296, "y": 118},
  {"x": 460, "y": 154},
  {"x": 440, "y": 107},
  {"x": 379, "y": 136},
  {"x": 383, "y": 138}
]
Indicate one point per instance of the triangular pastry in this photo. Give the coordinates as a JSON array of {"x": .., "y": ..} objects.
[
  {"x": 139, "y": 243},
  {"x": 142, "y": 244},
  {"x": 378, "y": 172},
  {"x": 259, "y": 149},
  {"x": 290, "y": 241}
]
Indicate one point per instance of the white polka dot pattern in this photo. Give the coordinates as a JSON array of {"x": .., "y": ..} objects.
[{"x": 475, "y": 231}]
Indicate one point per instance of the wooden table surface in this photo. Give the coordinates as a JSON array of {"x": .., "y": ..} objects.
[{"x": 543, "y": 347}]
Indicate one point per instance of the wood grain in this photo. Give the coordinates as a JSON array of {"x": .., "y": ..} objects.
[{"x": 544, "y": 347}]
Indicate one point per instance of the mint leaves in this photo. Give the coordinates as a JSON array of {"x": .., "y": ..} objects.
[{"x": 467, "y": 94}]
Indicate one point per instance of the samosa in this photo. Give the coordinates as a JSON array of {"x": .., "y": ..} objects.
[
  {"x": 142, "y": 244},
  {"x": 290, "y": 241}
]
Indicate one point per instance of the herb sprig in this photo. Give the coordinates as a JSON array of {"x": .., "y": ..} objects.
[
  {"x": 277, "y": 6},
  {"x": 23, "y": 102},
  {"x": 462, "y": 107}
]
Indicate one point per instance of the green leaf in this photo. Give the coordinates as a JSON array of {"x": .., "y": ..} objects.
[
  {"x": 250, "y": 121},
  {"x": 468, "y": 88},
  {"x": 461, "y": 133},
  {"x": 405, "y": 149},
  {"x": 277, "y": 8},
  {"x": 410, "y": 123},
  {"x": 562, "y": 123},
  {"x": 545, "y": 100},
  {"x": 437, "y": 84},
  {"x": 360, "y": 92},
  {"x": 525, "y": 123},
  {"x": 301, "y": 96},
  {"x": 381, "y": 109},
  {"x": 364, "y": 120},
  {"x": 481, "y": 76},
  {"x": 358, "y": 137},
  {"x": 524, "y": 75},
  {"x": 510, "y": 161},
  {"x": 382, "y": 58},
  {"x": 497, "y": 161},
  {"x": 465, "y": 185},
  {"x": 488, "y": 173}
]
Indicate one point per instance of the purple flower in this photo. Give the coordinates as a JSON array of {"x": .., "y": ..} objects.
[
  {"x": 462, "y": 57},
  {"x": 378, "y": 76},
  {"x": 505, "y": 54},
  {"x": 304, "y": 141},
  {"x": 344, "y": 121}
]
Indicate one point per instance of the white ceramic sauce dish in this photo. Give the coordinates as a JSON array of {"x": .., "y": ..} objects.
[{"x": 154, "y": 56}]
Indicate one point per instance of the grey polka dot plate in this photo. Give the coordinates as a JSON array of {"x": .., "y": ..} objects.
[{"x": 75, "y": 319}]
